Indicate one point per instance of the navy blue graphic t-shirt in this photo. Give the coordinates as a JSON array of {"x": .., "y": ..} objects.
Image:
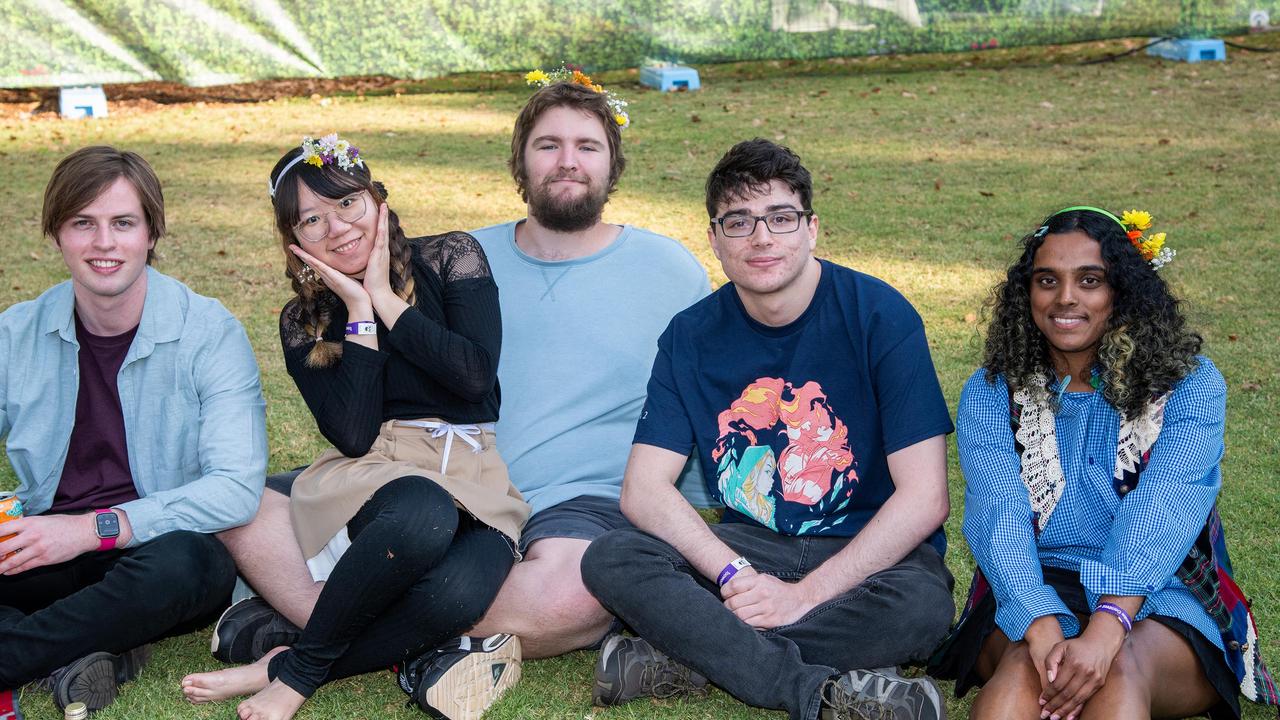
[{"x": 793, "y": 424}]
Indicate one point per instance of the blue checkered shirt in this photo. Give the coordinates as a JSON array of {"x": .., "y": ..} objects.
[{"x": 1120, "y": 546}]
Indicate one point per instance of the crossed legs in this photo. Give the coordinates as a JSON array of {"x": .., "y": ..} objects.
[
  {"x": 267, "y": 555},
  {"x": 545, "y": 603},
  {"x": 543, "y": 600}
]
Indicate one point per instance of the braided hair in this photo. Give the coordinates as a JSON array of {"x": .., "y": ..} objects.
[{"x": 313, "y": 302}]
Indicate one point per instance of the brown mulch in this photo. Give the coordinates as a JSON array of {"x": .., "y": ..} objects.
[
  {"x": 40, "y": 100},
  {"x": 141, "y": 97}
]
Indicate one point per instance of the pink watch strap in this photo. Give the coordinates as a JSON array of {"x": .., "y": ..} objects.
[{"x": 106, "y": 543}]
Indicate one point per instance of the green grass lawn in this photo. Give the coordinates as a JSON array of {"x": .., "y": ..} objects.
[{"x": 927, "y": 170}]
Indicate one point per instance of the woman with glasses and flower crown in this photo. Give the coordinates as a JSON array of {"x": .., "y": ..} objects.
[
  {"x": 410, "y": 519},
  {"x": 1090, "y": 442}
]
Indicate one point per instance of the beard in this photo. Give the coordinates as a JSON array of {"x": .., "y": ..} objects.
[{"x": 567, "y": 215}]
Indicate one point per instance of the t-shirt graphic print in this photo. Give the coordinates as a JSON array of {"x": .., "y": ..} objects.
[{"x": 783, "y": 457}]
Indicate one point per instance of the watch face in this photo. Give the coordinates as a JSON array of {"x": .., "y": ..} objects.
[{"x": 108, "y": 525}]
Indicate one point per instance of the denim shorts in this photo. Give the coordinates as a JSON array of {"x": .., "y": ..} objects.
[{"x": 582, "y": 518}]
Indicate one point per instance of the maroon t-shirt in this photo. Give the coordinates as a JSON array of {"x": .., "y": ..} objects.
[{"x": 96, "y": 474}]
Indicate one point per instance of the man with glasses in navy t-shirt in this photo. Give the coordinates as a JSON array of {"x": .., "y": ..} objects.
[{"x": 808, "y": 393}]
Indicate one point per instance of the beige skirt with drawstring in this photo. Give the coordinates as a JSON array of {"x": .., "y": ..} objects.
[{"x": 462, "y": 459}]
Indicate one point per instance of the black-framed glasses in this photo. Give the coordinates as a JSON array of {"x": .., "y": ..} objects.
[
  {"x": 778, "y": 222},
  {"x": 315, "y": 226}
]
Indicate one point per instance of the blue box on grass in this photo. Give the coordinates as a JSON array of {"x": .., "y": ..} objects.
[
  {"x": 1188, "y": 50},
  {"x": 81, "y": 102},
  {"x": 670, "y": 77}
]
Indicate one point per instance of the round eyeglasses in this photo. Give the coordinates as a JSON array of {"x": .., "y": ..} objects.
[
  {"x": 315, "y": 226},
  {"x": 779, "y": 222}
]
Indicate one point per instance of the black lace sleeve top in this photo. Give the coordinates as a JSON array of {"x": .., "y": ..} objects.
[{"x": 440, "y": 360}]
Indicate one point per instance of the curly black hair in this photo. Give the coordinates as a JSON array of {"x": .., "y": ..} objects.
[{"x": 1147, "y": 347}]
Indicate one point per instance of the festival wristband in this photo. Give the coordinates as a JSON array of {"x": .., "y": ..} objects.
[
  {"x": 362, "y": 327},
  {"x": 731, "y": 569},
  {"x": 1118, "y": 613}
]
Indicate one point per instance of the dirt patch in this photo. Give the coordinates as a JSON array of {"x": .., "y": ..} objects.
[{"x": 149, "y": 94}]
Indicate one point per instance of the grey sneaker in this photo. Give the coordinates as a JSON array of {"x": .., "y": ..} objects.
[
  {"x": 248, "y": 630},
  {"x": 881, "y": 694},
  {"x": 95, "y": 679},
  {"x": 629, "y": 667},
  {"x": 461, "y": 679}
]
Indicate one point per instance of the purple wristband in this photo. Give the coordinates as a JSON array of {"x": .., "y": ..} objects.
[
  {"x": 362, "y": 327},
  {"x": 1118, "y": 613},
  {"x": 730, "y": 570}
]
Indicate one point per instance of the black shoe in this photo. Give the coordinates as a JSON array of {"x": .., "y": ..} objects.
[
  {"x": 95, "y": 679},
  {"x": 248, "y": 630},
  {"x": 460, "y": 680},
  {"x": 629, "y": 667},
  {"x": 881, "y": 695}
]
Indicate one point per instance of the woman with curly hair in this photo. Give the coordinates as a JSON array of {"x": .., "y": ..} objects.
[
  {"x": 1090, "y": 442},
  {"x": 410, "y": 520}
]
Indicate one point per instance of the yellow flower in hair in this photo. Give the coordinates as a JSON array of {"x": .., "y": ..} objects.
[
  {"x": 1155, "y": 242},
  {"x": 315, "y": 160},
  {"x": 534, "y": 77},
  {"x": 1139, "y": 219},
  {"x": 621, "y": 120}
]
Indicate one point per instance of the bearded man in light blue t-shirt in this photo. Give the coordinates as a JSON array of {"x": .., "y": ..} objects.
[{"x": 583, "y": 302}]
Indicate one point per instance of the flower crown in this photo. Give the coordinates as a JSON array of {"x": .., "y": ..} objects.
[
  {"x": 328, "y": 150},
  {"x": 1135, "y": 223},
  {"x": 575, "y": 76}
]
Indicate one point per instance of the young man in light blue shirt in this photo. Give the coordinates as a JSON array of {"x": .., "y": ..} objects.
[{"x": 136, "y": 426}]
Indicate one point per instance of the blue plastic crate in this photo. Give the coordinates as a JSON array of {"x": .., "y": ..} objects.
[
  {"x": 82, "y": 102},
  {"x": 1187, "y": 50},
  {"x": 670, "y": 77}
]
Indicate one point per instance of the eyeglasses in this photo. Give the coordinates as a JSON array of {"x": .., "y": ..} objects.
[
  {"x": 314, "y": 227},
  {"x": 779, "y": 222}
]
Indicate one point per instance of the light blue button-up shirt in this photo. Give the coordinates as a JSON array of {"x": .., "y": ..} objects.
[
  {"x": 1129, "y": 546},
  {"x": 194, "y": 417}
]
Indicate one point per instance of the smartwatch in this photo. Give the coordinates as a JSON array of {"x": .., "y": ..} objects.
[
  {"x": 108, "y": 529},
  {"x": 362, "y": 327}
]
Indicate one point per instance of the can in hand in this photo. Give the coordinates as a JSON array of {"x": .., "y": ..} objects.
[{"x": 10, "y": 509}]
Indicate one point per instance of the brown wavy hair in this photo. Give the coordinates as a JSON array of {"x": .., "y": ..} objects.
[
  {"x": 1146, "y": 347},
  {"x": 314, "y": 300},
  {"x": 573, "y": 96},
  {"x": 86, "y": 173}
]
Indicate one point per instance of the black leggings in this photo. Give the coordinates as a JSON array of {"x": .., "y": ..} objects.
[{"x": 418, "y": 573}]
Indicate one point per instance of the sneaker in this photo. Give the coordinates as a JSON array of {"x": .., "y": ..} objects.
[
  {"x": 9, "y": 709},
  {"x": 95, "y": 679},
  {"x": 629, "y": 667},
  {"x": 248, "y": 630},
  {"x": 881, "y": 695},
  {"x": 461, "y": 679}
]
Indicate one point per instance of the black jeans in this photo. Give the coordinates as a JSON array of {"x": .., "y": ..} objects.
[
  {"x": 111, "y": 601},
  {"x": 418, "y": 573},
  {"x": 896, "y": 616}
]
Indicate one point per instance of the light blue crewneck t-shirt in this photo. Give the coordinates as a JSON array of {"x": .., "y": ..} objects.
[{"x": 578, "y": 341}]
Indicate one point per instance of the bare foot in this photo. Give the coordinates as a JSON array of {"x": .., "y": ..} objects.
[
  {"x": 232, "y": 682},
  {"x": 276, "y": 702}
]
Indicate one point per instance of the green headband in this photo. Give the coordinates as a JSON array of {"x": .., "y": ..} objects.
[
  {"x": 1090, "y": 208},
  {"x": 1134, "y": 224}
]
